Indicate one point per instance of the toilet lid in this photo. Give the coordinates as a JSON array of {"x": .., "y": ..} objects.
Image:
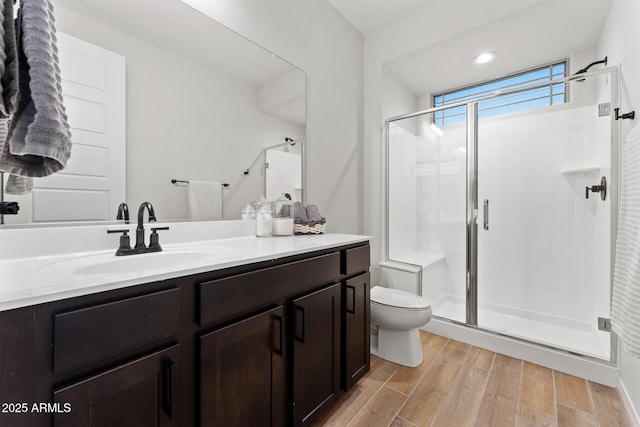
[{"x": 398, "y": 298}]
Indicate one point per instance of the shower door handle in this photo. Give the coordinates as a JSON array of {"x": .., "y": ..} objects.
[{"x": 486, "y": 214}]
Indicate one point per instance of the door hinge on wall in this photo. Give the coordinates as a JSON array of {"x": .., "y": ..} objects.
[{"x": 604, "y": 324}]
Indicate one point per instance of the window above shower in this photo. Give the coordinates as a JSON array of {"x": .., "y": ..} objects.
[{"x": 552, "y": 94}]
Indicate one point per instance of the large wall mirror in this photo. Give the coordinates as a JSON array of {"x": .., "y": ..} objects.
[{"x": 201, "y": 103}]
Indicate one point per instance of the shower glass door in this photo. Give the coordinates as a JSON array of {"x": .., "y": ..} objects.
[
  {"x": 544, "y": 247},
  {"x": 426, "y": 199}
]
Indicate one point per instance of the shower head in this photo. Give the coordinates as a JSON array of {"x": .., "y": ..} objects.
[{"x": 585, "y": 69}]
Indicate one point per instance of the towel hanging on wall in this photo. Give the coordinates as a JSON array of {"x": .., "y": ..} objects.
[
  {"x": 39, "y": 140},
  {"x": 204, "y": 200},
  {"x": 625, "y": 303},
  {"x": 8, "y": 62}
]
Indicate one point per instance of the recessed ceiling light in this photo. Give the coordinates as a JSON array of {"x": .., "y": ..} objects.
[{"x": 483, "y": 58}]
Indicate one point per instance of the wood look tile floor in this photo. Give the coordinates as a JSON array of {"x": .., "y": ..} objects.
[{"x": 459, "y": 385}]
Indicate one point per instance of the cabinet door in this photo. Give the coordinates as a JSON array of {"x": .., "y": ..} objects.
[
  {"x": 242, "y": 381},
  {"x": 356, "y": 332},
  {"x": 316, "y": 354},
  {"x": 141, "y": 393}
]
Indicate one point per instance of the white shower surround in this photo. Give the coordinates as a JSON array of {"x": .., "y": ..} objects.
[{"x": 533, "y": 167}]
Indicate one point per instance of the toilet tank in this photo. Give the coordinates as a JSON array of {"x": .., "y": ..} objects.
[{"x": 405, "y": 277}]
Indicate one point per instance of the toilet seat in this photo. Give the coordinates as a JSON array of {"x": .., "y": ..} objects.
[{"x": 396, "y": 298}]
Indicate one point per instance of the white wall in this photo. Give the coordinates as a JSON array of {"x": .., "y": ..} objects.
[
  {"x": 314, "y": 37},
  {"x": 620, "y": 40},
  {"x": 184, "y": 121}
]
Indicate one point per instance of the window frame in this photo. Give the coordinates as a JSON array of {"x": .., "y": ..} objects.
[{"x": 439, "y": 117}]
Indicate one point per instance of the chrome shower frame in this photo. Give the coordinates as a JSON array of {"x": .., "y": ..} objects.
[{"x": 472, "y": 193}]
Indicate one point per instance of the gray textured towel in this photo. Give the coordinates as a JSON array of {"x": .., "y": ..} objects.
[
  {"x": 300, "y": 213},
  {"x": 19, "y": 185},
  {"x": 313, "y": 213},
  {"x": 8, "y": 61},
  {"x": 16, "y": 185},
  {"x": 39, "y": 140}
]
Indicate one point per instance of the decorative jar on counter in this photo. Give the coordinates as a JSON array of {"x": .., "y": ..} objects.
[
  {"x": 283, "y": 216},
  {"x": 264, "y": 221}
]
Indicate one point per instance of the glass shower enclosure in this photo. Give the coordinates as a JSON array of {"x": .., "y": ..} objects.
[{"x": 511, "y": 216}]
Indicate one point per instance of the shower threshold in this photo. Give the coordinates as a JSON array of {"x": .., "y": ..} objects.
[{"x": 565, "y": 334}]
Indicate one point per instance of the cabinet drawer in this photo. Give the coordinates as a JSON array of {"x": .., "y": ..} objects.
[
  {"x": 231, "y": 297},
  {"x": 355, "y": 260},
  {"x": 97, "y": 333}
]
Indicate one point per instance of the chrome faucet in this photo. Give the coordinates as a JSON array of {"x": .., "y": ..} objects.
[
  {"x": 123, "y": 213},
  {"x": 140, "y": 247}
]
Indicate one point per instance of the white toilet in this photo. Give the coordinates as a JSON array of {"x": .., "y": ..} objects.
[{"x": 396, "y": 316}]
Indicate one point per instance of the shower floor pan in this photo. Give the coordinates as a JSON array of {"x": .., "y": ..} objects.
[{"x": 560, "y": 333}]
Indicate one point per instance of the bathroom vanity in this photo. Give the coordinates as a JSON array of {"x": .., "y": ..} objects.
[{"x": 271, "y": 338}]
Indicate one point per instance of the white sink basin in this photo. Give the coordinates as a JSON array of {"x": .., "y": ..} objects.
[
  {"x": 140, "y": 263},
  {"x": 146, "y": 262}
]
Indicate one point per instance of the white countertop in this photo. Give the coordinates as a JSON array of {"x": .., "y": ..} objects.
[{"x": 39, "y": 279}]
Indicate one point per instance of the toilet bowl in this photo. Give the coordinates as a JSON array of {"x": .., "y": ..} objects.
[{"x": 395, "y": 317}]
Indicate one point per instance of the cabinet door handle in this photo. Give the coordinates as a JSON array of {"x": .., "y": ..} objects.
[
  {"x": 299, "y": 325},
  {"x": 167, "y": 386},
  {"x": 278, "y": 335},
  {"x": 351, "y": 302}
]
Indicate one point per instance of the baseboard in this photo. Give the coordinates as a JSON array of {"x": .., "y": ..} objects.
[{"x": 628, "y": 404}]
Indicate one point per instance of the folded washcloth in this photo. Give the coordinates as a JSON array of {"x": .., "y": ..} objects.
[
  {"x": 39, "y": 141},
  {"x": 300, "y": 213},
  {"x": 19, "y": 185},
  {"x": 313, "y": 213}
]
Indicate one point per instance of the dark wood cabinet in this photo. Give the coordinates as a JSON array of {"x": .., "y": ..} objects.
[
  {"x": 316, "y": 353},
  {"x": 356, "y": 324},
  {"x": 273, "y": 343},
  {"x": 242, "y": 380},
  {"x": 140, "y": 393}
]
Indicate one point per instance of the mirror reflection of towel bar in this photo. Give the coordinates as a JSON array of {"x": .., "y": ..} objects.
[{"x": 182, "y": 181}]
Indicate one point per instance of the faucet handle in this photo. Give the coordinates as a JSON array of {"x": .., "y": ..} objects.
[
  {"x": 154, "y": 238},
  {"x": 125, "y": 241}
]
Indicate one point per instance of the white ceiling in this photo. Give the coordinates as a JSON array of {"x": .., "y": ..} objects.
[
  {"x": 370, "y": 15},
  {"x": 549, "y": 31},
  {"x": 523, "y": 33}
]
